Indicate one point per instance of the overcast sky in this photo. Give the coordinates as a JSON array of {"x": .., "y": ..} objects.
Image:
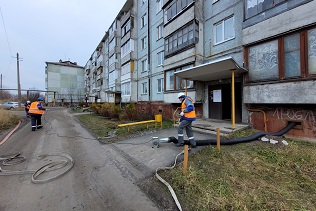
[{"x": 47, "y": 31}]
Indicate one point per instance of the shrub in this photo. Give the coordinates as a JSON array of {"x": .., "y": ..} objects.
[
  {"x": 95, "y": 107},
  {"x": 7, "y": 119},
  {"x": 129, "y": 113}
]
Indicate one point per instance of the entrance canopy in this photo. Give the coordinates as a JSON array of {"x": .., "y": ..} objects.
[{"x": 214, "y": 70}]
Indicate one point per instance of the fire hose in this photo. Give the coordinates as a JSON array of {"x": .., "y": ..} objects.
[{"x": 15, "y": 158}]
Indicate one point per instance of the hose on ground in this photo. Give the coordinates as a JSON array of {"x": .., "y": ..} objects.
[
  {"x": 174, "y": 196},
  {"x": 35, "y": 173}
]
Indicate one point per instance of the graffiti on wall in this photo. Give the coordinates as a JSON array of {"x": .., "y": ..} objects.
[
  {"x": 306, "y": 116},
  {"x": 292, "y": 114}
]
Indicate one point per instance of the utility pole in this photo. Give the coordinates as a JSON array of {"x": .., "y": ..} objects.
[
  {"x": 1, "y": 88},
  {"x": 18, "y": 74}
]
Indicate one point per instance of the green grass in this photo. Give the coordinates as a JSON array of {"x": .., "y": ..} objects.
[
  {"x": 248, "y": 176},
  {"x": 103, "y": 127}
]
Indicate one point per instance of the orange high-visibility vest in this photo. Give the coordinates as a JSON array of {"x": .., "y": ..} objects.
[
  {"x": 190, "y": 114},
  {"x": 34, "y": 109}
]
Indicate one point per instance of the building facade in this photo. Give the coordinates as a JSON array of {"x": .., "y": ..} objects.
[
  {"x": 280, "y": 52},
  {"x": 64, "y": 82},
  {"x": 246, "y": 61}
]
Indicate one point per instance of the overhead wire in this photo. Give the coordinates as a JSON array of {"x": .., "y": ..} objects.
[
  {"x": 5, "y": 31},
  {"x": 7, "y": 40}
]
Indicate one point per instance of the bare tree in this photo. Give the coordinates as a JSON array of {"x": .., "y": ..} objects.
[{"x": 5, "y": 95}]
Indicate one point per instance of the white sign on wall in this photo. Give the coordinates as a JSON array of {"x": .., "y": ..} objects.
[{"x": 217, "y": 96}]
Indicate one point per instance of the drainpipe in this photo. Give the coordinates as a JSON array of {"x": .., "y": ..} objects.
[
  {"x": 148, "y": 52},
  {"x": 264, "y": 116}
]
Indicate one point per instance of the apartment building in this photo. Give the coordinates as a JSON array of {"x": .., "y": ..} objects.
[
  {"x": 250, "y": 61},
  {"x": 64, "y": 82},
  {"x": 217, "y": 69},
  {"x": 280, "y": 53}
]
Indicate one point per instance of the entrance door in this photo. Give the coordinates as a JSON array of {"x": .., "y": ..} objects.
[
  {"x": 220, "y": 101},
  {"x": 215, "y": 102}
]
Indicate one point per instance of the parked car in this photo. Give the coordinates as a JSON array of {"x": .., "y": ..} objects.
[{"x": 10, "y": 105}]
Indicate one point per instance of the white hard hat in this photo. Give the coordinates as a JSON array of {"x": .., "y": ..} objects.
[
  {"x": 181, "y": 94},
  {"x": 28, "y": 101}
]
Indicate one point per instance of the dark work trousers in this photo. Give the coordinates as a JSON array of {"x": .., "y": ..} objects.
[
  {"x": 36, "y": 120},
  {"x": 188, "y": 129}
]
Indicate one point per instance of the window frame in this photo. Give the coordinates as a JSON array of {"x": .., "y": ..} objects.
[
  {"x": 144, "y": 65},
  {"x": 126, "y": 27},
  {"x": 160, "y": 31},
  {"x": 143, "y": 43},
  {"x": 160, "y": 85},
  {"x": 186, "y": 42},
  {"x": 303, "y": 58},
  {"x": 159, "y": 6},
  {"x": 223, "y": 26},
  {"x": 144, "y": 88},
  {"x": 126, "y": 89},
  {"x": 178, "y": 83},
  {"x": 274, "y": 3},
  {"x": 143, "y": 21},
  {"x": 160, "y": 58}
]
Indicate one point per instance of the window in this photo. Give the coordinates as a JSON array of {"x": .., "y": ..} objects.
[
  {"x": 175, "y": 7},
  {"x": 160, "y": 58},
  {"x": 112, "y": 76},
  {"x": 175, "y": 83},
  {"x": 283, "y": 58},
  {"x": 183, "y": 38},
  {"x": 160, "y": 31},
  {"x": 126, "y": 89},
  {"x": 112, "y": 44},
  {"x": 312, "y": 51},
  {"x": 112, "y": 28},
  {"x": 144, "y": 65},
  {"x": 143, "y": 21},
  {"x": 127, "y": 47},
  {"x": 263, "y": 61},
  {"x": 144, "y": 88},
  {"x": 254, "y": 7},
  {"x": 126, "y": 69},
  {"x": 112, "y": 59},
  {"x": 170, "y": 80},
  {"x": 126, "y": 28},
  {"x": 160, "y": 85},
  {"x": 143, "y": 43},
  {"x": 224, "y": 30},
  {"x": 292, "y": 62},
  {"x": 159, "y": 6}
]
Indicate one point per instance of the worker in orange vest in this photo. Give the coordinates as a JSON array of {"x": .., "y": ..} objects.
[
  {"x": 187, "y": 117},
  {"x": 36, "y": 111},
  {"x": 27, "y": 107}
]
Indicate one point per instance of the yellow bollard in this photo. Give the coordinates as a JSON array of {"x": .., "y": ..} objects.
[
  {"x": 218, "y": 139},
  {"x": 158, "y": 118},
  {"x": 186, "y": 158}
]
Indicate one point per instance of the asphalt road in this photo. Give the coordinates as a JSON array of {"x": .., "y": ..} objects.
[{"x": 104, "y": 176}]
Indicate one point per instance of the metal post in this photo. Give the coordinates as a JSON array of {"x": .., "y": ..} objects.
[
  {"x": 233, "y": 100},
  {"x": 186, "y": 158},
  {"x": 18, "y": 74},
  {"x": 218, "y": 139}
]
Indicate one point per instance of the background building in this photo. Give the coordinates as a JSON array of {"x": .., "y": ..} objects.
[{"x": 64, "y": 82}]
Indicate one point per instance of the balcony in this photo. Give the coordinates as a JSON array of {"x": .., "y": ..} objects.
[
  {"x": 100, "y": 64},
  {"x": 116, "y": 33}
]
